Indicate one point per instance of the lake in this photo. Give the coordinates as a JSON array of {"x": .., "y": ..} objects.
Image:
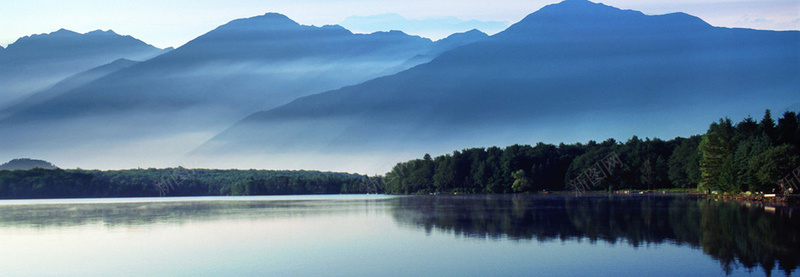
[{"x": 376, "y": 235}]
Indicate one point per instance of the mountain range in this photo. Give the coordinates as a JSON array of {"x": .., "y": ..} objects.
[
  {"x": 36, "y": 62},
  {"x": 572, "y": 71},
  {"x": 187, "y": 95},
  {"x": 325, "y": 98}
]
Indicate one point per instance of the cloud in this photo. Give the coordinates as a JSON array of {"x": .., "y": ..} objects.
[
  {"x": 434, "y": 28},
  {"x": 777, "y": 23}
]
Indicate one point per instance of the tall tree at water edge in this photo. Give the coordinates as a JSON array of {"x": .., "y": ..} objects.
[{"x": 716, "y": 159}]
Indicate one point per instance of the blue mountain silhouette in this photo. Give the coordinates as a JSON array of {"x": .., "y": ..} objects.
[
  {"x": 572, "y": 71},
  {"x": 36, "y": 62},
  {"x": 241, "y": 67},
  {"x": 210, "y": 83}
]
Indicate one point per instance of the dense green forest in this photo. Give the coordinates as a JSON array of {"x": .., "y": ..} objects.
[
  {"x": 747, "y": 156},
  {"x": 756, "y": 156},
  {"x": 59, "y": 183}
]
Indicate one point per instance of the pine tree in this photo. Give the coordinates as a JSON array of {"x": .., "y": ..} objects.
[
  {"x": 767, "y": 125},
  {"x": 716, "y": 156}
]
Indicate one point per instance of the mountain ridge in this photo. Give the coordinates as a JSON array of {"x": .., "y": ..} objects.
[
  {"x": 543, "y": 78},
  {"x": 209, "y": 83},
  {"x": 66, "y": 85},
  {"x": 35, "y": 62}
]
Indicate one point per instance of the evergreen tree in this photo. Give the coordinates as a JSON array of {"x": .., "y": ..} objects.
[
  {"x": 787, "y": 130},
  {"x": 684, "y": 163},
  {"x": 767, "y": 125},
  {"x": 716, "y": 150},
  {"x": 746, "y": 151}
]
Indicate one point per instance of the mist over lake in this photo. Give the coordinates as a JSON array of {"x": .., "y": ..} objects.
[{"x": 501, "y": 235}]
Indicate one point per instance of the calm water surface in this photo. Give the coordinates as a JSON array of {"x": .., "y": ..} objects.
[{"x": 500, "y": 235}]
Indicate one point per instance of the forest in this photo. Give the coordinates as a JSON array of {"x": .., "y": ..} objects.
[
  {"x": 59, "y": 183},
  {"x": 756, "y": 156},
  {"x": 751, "y": 155}
]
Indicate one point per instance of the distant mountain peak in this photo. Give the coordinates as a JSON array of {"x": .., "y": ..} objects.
[
  {"x": 474, "y": 31},
  {"x": 471, "y": 33},
  {"x": 67, "y": 37},
  {"x": 572, "y": 8},
  {"x": 262, "y": 22},
  {"x": 123, "y": 61},
  {"x": 61, "y": 31},
  {"x": 26, "y": 164},
  {"x": 334, "y": 27},
  {"x": 391, "y": 33},
  {"x": 101, "y": 32},
  {"x": 275, "y": 15},
  {"x": 582, "y": 17},
  {"x": 577, "y": 10}
]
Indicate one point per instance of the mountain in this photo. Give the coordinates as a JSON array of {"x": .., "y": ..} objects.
[
  {"x": 440, "y": 46},
  {"x": 239, "y": 68},
  {"x": 36, "y": 62},
  {"x": 572, "y": 71},
  {"x": 180, "y": 99},
  {"x": 67, "y": 84},
  {"x": 456, "y": 40},
  {"x": 25, "y": 164}
]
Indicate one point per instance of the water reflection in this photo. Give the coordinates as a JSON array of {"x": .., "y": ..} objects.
[
  {"x": 735, "y": 235},
  {"x": 156, "y": 210},
  {"x": 731, "y": 233}
]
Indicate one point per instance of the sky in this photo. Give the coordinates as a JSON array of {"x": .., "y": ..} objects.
[{"x": 175, "y": 22}]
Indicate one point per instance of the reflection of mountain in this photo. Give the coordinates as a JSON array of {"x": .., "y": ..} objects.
[
  {"x": 728, "y": 232},
  {"x": 571, "y": 71}
]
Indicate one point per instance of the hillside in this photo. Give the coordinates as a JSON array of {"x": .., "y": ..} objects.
[
  {"x": 160, "y": 109},
  {"x": 26, "y": 164},
  {"x": 571, "y": 71},
  {"x": 36, "y": 62}
]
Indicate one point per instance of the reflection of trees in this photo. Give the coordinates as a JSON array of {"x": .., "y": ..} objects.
[
  {"x": 750, "y": 237},
  {"x": 731, "y": 233}
]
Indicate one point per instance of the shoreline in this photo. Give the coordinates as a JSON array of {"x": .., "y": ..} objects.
[{"x": 770, "y": 200}]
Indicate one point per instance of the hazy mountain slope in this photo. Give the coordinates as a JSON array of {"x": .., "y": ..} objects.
[
  {"x": 34, "y": 63},
  {"x": 176, "y": 101},
  {"x": 571, "y": 71},
  {"x": 440, "y": 46},
  {"x": 240, "y": 67},
  {"x": 68, "y": 84}
]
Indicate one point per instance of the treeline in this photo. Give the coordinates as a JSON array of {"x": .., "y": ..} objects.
[
  {"x": 747, "y": 156},
  {"x": 59, "y": 183}
]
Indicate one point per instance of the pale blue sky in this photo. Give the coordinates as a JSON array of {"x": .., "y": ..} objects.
[{"x": 174, "y": 22}]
